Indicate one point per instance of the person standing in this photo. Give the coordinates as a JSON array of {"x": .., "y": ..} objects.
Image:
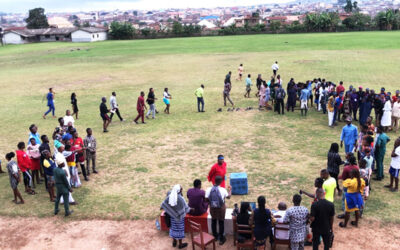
[
  {"x": 275, "y": 68},
  {"x": 90, "y": 145},
  {"x": 259, "y": 82},
  {"x": 331, "y": 110},
  {"x": 261, "y": 95},
  {"x": 199, "y": 93},
  {"x": 104, "y": 114},
  {"x": 13, "y": 172},
  {"x": 395, "y": 167},
  {"x": 304, "y": 95},
  {"x": 349, "y": 136},
  {"x": 340, "y": 89},
  {"x": 354, "y": 102},
  {"x": 216, "y": 196},
  {"x": 240, "y": 72},
  {"x": 228, "y": 77},
  {"x": 386, "y": 120},
  {"x": 68, "y": 119},
  {"x": 50, "y": 103},
  {"x": 33, "y": 129},
  {"x": 226, "y": 92},
  {"x": 333, "y": 165},
  {"x": 321, "y": 217},
  {"x": 48, "y": 166},
  {"x": 25, "y": 165},
  {"x": 380, "y": 150},
  {"x": 248, "y": 86},
  {"x": 292, "y": 97},
  {"x": 74, "y": 103},
  {"x": 114, "y": 107},
  {"x": 218, "y": 169},
  {"x": 77, "y": 144},
  {"x": 329, "y": 185},
  {"x": 196, "y": 197},
  {"x": 280, "y": 95},
  {"x": 297, "y": 217},
  {"x": 167, "y": 100},
  {"x": 176, "y": 207},
  {"x": 151, "y": 99},
  {"x": 34, "y": 154},
  {"x": 396, "y": 114},
  {"x": 140, "y": 107},
  {"x": 63, "y": 188}
]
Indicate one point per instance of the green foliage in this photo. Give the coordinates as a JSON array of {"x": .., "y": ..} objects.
[
  {"x": 177, "y": 28},
  {"x": 121, "y": 31},
  {"x": 77, "y": 24},
  {"x": 357, "y": 21},
  {"x": 351, "y": 6},
  {"x": 274, "y": 26},
  {"x": 36, "y": 19},
  {"x": 295, "y": 27},
  {"x": 388, "y": 20},
  {"x": 322, "y": 21}
]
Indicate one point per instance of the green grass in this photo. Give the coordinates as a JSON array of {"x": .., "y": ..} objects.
[{"x": 138, "y": 164}]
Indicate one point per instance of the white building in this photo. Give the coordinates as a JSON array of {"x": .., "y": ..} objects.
[
  {"x": 206, "y": 24},
  {"x": 90, "y": 34}
]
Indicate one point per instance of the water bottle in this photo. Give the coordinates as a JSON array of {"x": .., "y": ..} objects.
[{"x": 158, "y": 225}]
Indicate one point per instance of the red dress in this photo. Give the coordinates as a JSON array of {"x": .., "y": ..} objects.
[
  {"x": 24, "y": 162},
  {"x": 77, "y": 143},
  {"x": 217, "y": 170}
]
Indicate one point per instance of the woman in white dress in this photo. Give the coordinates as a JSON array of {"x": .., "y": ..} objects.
[{"x": 386, "y": 120}]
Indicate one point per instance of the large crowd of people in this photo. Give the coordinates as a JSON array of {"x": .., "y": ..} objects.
[
  {"x": 365, "y": 151},
  {"x": 56, "y": 161}
]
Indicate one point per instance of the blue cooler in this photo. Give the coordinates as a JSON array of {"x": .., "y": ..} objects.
[{"x": 238, "y": 182}]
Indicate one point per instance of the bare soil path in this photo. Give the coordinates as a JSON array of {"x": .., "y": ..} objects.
[{"x": 55, "y": 233}]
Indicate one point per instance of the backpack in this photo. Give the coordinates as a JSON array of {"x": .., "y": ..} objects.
[
  {"x": 280, "y": 94},
  {"x": 215, "y": 198}
]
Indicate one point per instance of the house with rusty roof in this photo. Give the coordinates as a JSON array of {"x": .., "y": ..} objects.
[{"x": 21, "y": 36}]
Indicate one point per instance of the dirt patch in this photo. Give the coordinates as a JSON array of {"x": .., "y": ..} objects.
[{"x": 55, "y": 233}]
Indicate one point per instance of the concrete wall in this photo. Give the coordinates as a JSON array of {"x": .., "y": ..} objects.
[
  {"x": 12, "y": 38},
  {"x": 83, "y": 36}
]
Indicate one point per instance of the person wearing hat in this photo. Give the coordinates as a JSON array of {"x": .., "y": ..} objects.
[
  {"x": 104, "y": 114},
  {"x": 349, "y": 136},
  {"x": 63, "y": 187},
  {"x": 218, "y": 169}
]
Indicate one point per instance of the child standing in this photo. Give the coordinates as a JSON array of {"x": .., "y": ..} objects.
[
  {"x": 33, "y": 152},
  {"x": 90, "y": 145},
  {"x": 25, "y": 165},
  {"x": 13, "y": 172}
]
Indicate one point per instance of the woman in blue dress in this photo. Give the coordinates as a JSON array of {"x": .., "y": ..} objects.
[{"x": 263, "y": 220}]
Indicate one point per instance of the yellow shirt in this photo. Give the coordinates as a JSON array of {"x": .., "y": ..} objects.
[
  {"x": 331, "y": 104},
  {"x": 352, "y": 185},
  {"x": 199, "y": 92}
]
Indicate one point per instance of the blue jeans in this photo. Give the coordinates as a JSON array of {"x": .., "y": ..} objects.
[
  {"x": 200, "y": 100},
  {"x": 152, "y": 110},
  {"x": 51, "y": 108},
  {"x": 348, "y": 148}
]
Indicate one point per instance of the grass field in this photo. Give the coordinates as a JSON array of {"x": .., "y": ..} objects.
[{"x": 138, "y": 164}]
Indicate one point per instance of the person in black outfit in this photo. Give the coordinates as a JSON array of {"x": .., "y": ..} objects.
[
  {"x": 279, "y": 99},
  {"x": 243, "y": 218},
  {"x": 334, "y": 162},
  {"x": 43, "y": 147},
  {"x": 263, "y": 221},
  {"x": 74, "y": 103},
  {"x": 228, "y": 77},
  {"x": 258, "y": 84},
  {"x": 104, "y": 114},
  {"x": 321, "y": 217}
]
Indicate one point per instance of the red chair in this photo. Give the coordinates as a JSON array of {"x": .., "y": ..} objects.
[{"x": 201, "y": 239}]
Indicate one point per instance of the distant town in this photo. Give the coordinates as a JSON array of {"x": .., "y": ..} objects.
[{"x": 208, "y": 19}]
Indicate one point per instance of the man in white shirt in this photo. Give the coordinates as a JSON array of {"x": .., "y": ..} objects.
[
  {"x": 114, "y": 106},
  {"x": 69, "y": 119},
  {"x": 395, "y": 167},
  {"x": 216, "y": 196},
  {"x": 275, "y": 68}
]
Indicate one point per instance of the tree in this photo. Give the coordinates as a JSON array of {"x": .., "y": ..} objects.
[
  {"x": 121, "y": 31},
  {"x": 274, "y": 26},
  {"x": 357, "y": 21},
  {"x": 135, "y": 13},
  {"x": 177, "y": 28},
  {"x": 36, "y": 19},
  {"x": 77, "y": 24},
  {"x": 348, "y": 7},
  {"x": 86, "y": 24}
]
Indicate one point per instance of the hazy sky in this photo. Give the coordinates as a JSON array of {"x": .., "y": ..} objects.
[{"x": 22, "y": 6}]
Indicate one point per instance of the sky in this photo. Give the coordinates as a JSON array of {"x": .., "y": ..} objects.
[{"x": 22, "y": 6}]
